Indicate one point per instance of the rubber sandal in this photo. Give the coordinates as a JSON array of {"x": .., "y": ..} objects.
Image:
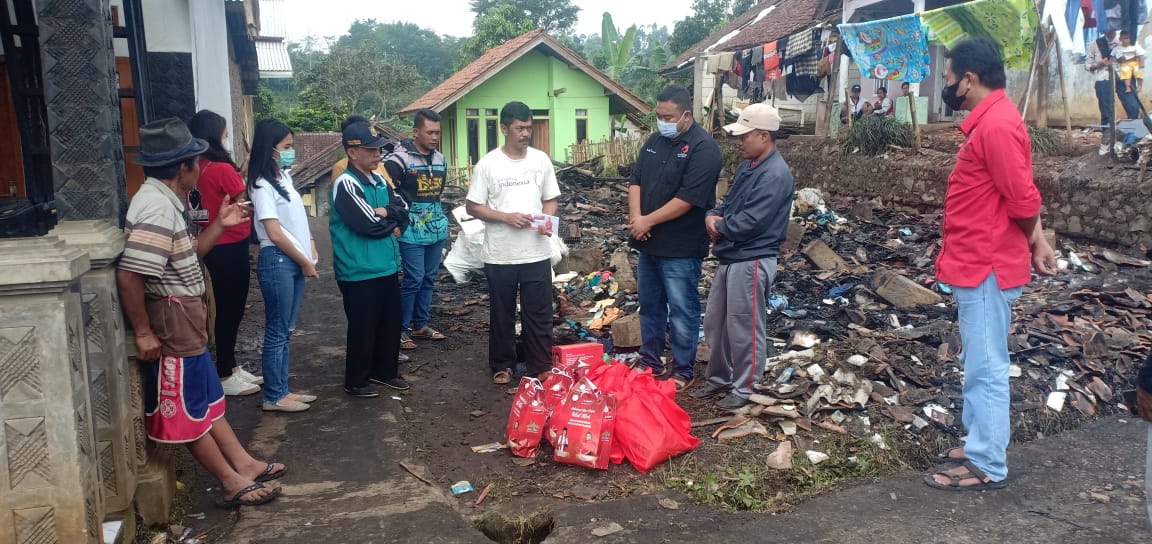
[
  {"x": 682, "y": 383},
  {"x": 406, "y": 342},
  {"x": 944, "y": 457},
  {"x": 237, "y": 501},
  {"x": 269, "y": 475},
  {"x": 403, "y": 358},
  {"x": 955, "y": 479},
  {"x": 428, "y": 333},
  {"x": 502, "y": 377}
]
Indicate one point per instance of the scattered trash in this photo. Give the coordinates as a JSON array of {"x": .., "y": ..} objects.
[
  {"x": 781, "y": 459},
  {"x": 605, "y": 530},
  {"x": 1056, "y": 400},
  {"x": 461, "y": 487},
  {"x": 483, "y": 495},
  {"x": 857, "y": 360},
  {"x": 489, "y": 447},
  {"x": 816, "y": 457}
]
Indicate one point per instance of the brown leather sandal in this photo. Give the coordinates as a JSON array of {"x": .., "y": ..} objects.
[
  {"x": 954, "y": 480},
  {"x": 502, "y": 377}
]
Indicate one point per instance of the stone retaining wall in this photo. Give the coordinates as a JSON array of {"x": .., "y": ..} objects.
[{"x": 1085, "y": 197}]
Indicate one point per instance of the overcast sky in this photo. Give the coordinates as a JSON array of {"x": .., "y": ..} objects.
[{"x": 452, "y": 17}]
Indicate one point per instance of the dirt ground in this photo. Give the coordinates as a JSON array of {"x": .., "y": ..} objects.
[{"x": 453, "y": 405}]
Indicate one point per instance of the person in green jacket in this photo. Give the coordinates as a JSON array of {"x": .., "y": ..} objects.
[{"x": 367, "y": 218}]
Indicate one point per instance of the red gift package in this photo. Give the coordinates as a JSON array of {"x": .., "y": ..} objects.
[
  {"x": 577, "y": 359},
  {"x": 527, "y": 418},
  {"x": 582, "y": 427}
]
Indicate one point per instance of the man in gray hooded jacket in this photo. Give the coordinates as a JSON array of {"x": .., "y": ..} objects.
[{"x": 746, "y": 228}]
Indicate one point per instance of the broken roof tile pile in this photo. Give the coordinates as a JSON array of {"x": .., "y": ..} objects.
[{"x": 868, "y": 347}]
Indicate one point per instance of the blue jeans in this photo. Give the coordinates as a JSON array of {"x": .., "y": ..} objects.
[
  {"x": 669, "y": 301},
  {"x": 282, "y": 284},
  {"x": 421, "y": 266},
  {"x": 985, "y": 316}
]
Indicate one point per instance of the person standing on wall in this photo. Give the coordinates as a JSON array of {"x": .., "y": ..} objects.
[
  {"x": 287, "y": 256},
  {"x": 747, "y": 228},
  {"x": 418, "y": 169},
  {"x": 1098, "y": 62},
  {"x": 228, "y": 268},
  {"x": 509, "y": 185},
  {"x": 367, "y": 219},
  {"x": 673, "y": 184},
  {"x": 992, "y": 241}
]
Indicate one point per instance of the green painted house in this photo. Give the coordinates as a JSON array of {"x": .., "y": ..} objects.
[{"x": 571, "y": 100}]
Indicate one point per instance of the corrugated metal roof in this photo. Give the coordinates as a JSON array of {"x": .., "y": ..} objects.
[
  {"x": 274, "y": 59},
  {"x": 273, "y": 23}
]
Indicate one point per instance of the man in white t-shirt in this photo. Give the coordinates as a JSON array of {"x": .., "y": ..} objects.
[{"x": 510, "y": 185}]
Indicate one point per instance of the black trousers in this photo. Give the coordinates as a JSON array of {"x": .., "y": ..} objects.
[
  {"x": 231, "y": 274},
  {"x": 373, "y": 348},
  {"x": 534, "y": 282}
]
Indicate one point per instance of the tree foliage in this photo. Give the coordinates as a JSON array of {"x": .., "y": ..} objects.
[
  {"x": 433, "y": 55},
  {"x": 495, "y": 26},
  {"x": 707, "y": 17},
  {"x": 555, "y": 16},
  {"x": 361, "y": 79}
]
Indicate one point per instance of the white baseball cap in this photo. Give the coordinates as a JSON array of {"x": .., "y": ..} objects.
[{"x": 755, "y": 117}]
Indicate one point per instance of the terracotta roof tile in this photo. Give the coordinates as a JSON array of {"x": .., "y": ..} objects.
[
  {"x": 788, "y": 17},
  {"x": 466, "y": 75},
  {"x": 464, "y": 80}
]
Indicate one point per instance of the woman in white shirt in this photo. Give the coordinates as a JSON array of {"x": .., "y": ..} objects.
[{"x": 287, "y": 256}]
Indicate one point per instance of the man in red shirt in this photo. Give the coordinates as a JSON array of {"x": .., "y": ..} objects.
[{"x": 991, "y": 228}]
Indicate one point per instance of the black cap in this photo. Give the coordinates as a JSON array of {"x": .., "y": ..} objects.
[
  {"x": 855, "y": 88},
  {"x": 362, "y": 135}
]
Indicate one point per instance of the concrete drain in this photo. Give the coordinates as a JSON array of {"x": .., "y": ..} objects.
[{"x": 520, "y": 528}]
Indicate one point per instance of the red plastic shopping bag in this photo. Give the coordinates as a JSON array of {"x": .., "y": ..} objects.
[
  {"x": 650, "y": 427},
  {"x": 582, "y": 427},
  {"x": 526, "y": 419}
]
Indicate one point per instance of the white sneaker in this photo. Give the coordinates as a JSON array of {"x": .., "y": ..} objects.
[
  {"x": 249, "y": 377},
  {"x": 236, "y": 387}
]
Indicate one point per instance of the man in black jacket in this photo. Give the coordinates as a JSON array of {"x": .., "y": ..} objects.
[
  {"x": 673, "y": 183},
  {"x": 747, "y": 229}
]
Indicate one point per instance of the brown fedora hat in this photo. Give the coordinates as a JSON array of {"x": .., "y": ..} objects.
[{"x": 167, "y": 141}]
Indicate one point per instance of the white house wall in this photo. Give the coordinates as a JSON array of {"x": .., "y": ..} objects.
[{"x": 166, "y": 25}]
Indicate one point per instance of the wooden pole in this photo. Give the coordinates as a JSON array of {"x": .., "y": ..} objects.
[
  {"x": 824, "y": 114},
  {"x": 1063, "y": 93},
  {"x": 915, "y": 123}
]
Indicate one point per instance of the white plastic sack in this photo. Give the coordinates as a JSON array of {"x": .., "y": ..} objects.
[{"x": 466, "y": 256}]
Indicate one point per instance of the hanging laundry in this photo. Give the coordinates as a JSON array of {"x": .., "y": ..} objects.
[
  {"x": 1010, "y": 23},
  {"x": 802, "y": 52},
  {"x": 801, "y": 87},
  {"x": 1072, "y": 14},
  {"x": 895, "y": 49},
  {"x": 724, "y": 61},
  {"x": 1089, "y": 14},
  {"x": 771, "y": 62},
  {"x": 758, "y": 64}
]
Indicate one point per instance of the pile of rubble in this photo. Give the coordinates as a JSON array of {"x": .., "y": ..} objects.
[
  {"x": 863, "y": 335},
  {"x": 867, "y": 341}
]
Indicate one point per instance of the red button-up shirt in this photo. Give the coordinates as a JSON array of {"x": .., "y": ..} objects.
[{"x": 990, "y": 186}]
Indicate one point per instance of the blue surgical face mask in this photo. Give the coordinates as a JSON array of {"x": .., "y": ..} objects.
[
  {"x": 287, "y": 157},
  {"x": 668, "y": 129}
]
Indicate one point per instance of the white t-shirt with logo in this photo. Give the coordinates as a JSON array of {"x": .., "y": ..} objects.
[
  {"x": 268, "y": 204},
  {"x": 514, "y": 186}
]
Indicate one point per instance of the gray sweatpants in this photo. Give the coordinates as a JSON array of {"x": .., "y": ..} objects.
[{"x": 734, "y": 324}]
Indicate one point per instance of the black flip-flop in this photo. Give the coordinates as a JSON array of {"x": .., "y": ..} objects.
[
  {"x": 269, "y": 475},
  {"x": 955, "y": 479},
  {"x": 237, "y": 501}
]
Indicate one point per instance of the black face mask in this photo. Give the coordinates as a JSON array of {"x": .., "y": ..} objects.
[{"x": 948, "y": 95}]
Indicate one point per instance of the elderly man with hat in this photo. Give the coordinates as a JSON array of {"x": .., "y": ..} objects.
[
  {"x": 162, "y": 292},
  {"x": 367, "y": 218},
  {"x": 746, "y": 228}
]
